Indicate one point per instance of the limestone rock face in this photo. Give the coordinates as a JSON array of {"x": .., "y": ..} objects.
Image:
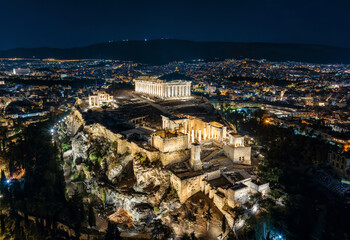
[
  {"x": 74, "y": 122},
  {"x": 80, "y": 146},
  {"x": 115, "y": 168},
  {"x": 97, "y": 130},
  {"x": 151, "y": 180},
  {"x": 94, "y": 144},
  {"x": 136, "y": 205}
]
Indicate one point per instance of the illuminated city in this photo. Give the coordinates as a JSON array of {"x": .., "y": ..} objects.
[{"x": 147, "y": 136}]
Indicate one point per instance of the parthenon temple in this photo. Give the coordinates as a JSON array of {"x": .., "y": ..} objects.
[{"x": 163, "y": 89}]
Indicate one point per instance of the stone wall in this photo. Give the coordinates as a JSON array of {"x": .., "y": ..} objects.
[
  {"x": 124, "y": 146},
  {"x": 187, "y": 187},
  {"x": 174, "y": 157},
  {"x": 172, "y": 144},
  {"x": 240, "y": 155},
  {"x": 242, "y": 195},
  {"x": 262, "y": 188},
  {"x": 213, "y": 175}
]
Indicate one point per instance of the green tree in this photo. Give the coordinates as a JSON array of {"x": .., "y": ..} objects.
[
  {"x": 113, "y": 232},
  {"x": 159, "y": 230},
  {"x": 208, "y": 216},
  {"x": 92, "y": 218}
]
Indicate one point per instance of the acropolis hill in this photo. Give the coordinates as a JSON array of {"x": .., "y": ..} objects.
[{"x": 145, "y": 155}]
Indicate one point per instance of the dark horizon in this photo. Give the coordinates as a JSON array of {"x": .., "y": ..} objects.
[
  {"x": 178, "y": 39},
  {"x": 67, "y": 24},
  {"x": 158, "y": 52}
]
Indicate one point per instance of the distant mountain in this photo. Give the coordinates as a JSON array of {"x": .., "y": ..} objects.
[
  {"x": 168, "y": 50},
  {"x": 175, "y": 76}
]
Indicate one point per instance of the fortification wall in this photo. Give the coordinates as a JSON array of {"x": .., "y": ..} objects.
[
  {"x": 187, "y": 187},
  {"x": 174, "y": 157},
  {"x": 125, "y": 146},
  {"x": 170, "y": 144}
]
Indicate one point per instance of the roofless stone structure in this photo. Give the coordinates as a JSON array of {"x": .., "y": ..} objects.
[{"x": 175, "y": 89}]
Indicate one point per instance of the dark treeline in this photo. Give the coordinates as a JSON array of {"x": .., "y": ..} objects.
[
  {"x": 289, "y": 163},
  {"x": 41, "y": 193}
]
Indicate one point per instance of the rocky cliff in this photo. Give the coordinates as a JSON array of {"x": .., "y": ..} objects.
[{"x": 120, "y": 180}]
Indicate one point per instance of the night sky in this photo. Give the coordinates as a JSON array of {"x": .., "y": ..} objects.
[{"x": 63, "y": 23}]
